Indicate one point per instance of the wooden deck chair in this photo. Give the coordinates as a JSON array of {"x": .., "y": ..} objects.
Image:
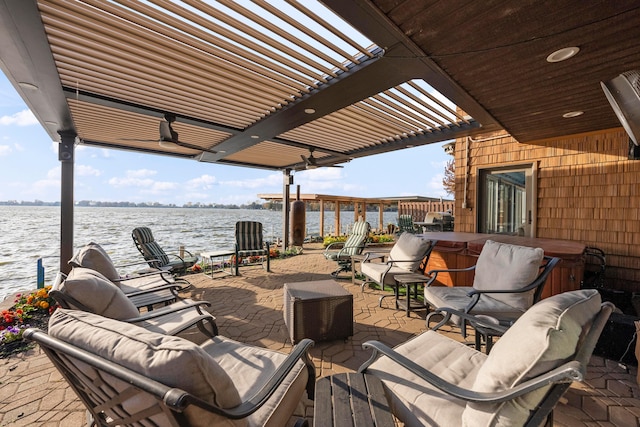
[
  {"x": 87, "y": 290},
  {"x": 156, "y": 256},
  {"x": 249, "y": 243},
  {"x": 341, "y": 252},
  {"x": 434, "y": 380},
  {"x": 128, "y": 376}
]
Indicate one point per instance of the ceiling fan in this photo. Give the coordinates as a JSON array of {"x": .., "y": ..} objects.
[
  {"x": 312, "y": 163},
  {"x": 169, "y": 137}
]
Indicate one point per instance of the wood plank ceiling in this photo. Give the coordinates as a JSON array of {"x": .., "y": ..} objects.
[{"x": 496, "y": 51}]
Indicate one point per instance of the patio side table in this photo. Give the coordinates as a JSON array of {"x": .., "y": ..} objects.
[
  {"x": 212, "y": 256},
  {"x": 409, "y": 281},
  {"x": 321, "y": 310}
]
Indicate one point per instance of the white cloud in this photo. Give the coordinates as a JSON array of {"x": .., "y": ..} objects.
[
  {"x": 140, "y": 173},
  {"x": 5, "y": 150},
  {"x": 54, "y": 173},
  {"x": 84, "y": 170},
  {"x": 268, "y": 181},
  {"x": 203, "y": 182},
  {"x": 21, "y": 118},
  {"x": 131, "y": 182},
  {"x": 18, "y": 147}
]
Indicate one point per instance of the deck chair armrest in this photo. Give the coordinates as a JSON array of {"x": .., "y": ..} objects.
[
  {"x": 334, "y": 245},
  {"x": 395, "y": 261},
  {"x": 175, "y": 288},
  {"x": 433, "y": 274},
  {"x": 369, "y": 256},
  {"x": 164, "y": 310},
  {"x": 570, "y": 371},
  {"x": 481, "y": 321},
  {"x": 144, "y": 274},
  {"x": 260, "y": 397},
  {"x": 129, "y": 264},
  {"x": 346, "y": 248}
]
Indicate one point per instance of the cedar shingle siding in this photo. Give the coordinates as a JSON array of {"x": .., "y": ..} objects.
[{"x": 587, "y": 190}]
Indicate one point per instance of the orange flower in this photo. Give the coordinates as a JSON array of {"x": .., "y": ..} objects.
[{"x": 44, "y": 304}]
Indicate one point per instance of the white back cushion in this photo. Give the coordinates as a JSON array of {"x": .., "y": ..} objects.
[
  {"x": 98, "y": 294},
  {"x": 93, "y": 256},
  {"x": 542, "y": 339},
  {"x": 172, "y": 361},
  {"x": 505, "y": 266},
  {"x": 409, "y": 248}
]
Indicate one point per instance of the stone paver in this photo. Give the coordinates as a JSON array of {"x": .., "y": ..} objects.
[{"x": 248, "y": 308}]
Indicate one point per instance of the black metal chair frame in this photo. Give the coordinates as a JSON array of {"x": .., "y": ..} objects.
[
  {"x": 475, "y": 294},
  {"x": 90, "y": 383},
  {"x": 560, "y": 377}
]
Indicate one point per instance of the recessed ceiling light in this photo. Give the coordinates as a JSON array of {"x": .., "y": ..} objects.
[
  {"x": 563, "y": 54},
  {"x": 309, "y": 110},
  {"x": 571, "y": 114},
  {"x": 255, "y": 137},
  {"x": 27, "y": 85}
]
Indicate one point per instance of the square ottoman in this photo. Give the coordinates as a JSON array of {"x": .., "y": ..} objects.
[{"x": 320, "y": 310}]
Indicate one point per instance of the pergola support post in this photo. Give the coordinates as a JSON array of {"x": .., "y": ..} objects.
[
  {"x": 287, "y": 181},
  {"x": 66, "y": 156}
]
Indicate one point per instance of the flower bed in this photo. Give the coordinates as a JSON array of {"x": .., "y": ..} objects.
[{"x": 29, "y": 310}]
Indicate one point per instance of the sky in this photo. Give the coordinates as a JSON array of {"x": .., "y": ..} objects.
[{"x": 30, "y": 171}]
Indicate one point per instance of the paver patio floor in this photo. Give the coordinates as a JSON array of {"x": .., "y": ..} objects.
[{"x": 249, "y": 308}]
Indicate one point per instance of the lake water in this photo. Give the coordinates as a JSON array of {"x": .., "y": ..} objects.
[{"x": 31, "y": 232}]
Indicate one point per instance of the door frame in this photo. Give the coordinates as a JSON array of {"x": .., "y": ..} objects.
[{"x": 531, "y": 191}]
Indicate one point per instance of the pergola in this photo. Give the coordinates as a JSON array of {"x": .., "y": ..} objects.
[
  {"x": 286, "y": 85},
  {"x": 359, "y": 206}
]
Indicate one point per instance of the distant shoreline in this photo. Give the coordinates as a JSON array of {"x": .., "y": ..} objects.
[{"x": 271, "y": 206}]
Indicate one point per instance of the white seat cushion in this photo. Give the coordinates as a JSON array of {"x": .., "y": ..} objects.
[
  {"x": 542, "y": 339},
  {"x": 93, "y": 256},
  {"x": 409, "y": 248},
  {"x": 169, "y": 360},
  {"x": 457, "y": 297},
  {"x": 98, "y": 294},
  {"x": 414, "y": 401},
  {"x": 250, "y": 368},
  {"x": 505, "y": 266},
  {"x": 375, "y": 270}
]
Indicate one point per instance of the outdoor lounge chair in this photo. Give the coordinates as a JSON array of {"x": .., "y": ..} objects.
[
  {"x": 405, "y": 224},
  {"x": 341, "y": 252},
  {"x": 87, "y": 290},
  {"x": 156, "y": 257},
  {"x": 125, "y": 375},
  {"x": 163, "y": 287},
  {"x": 434, "y": 380},
  {"x": 508, "y": 280},
  {"x": 249, "y": 243},
  {"x": 409, "y": 255}
]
